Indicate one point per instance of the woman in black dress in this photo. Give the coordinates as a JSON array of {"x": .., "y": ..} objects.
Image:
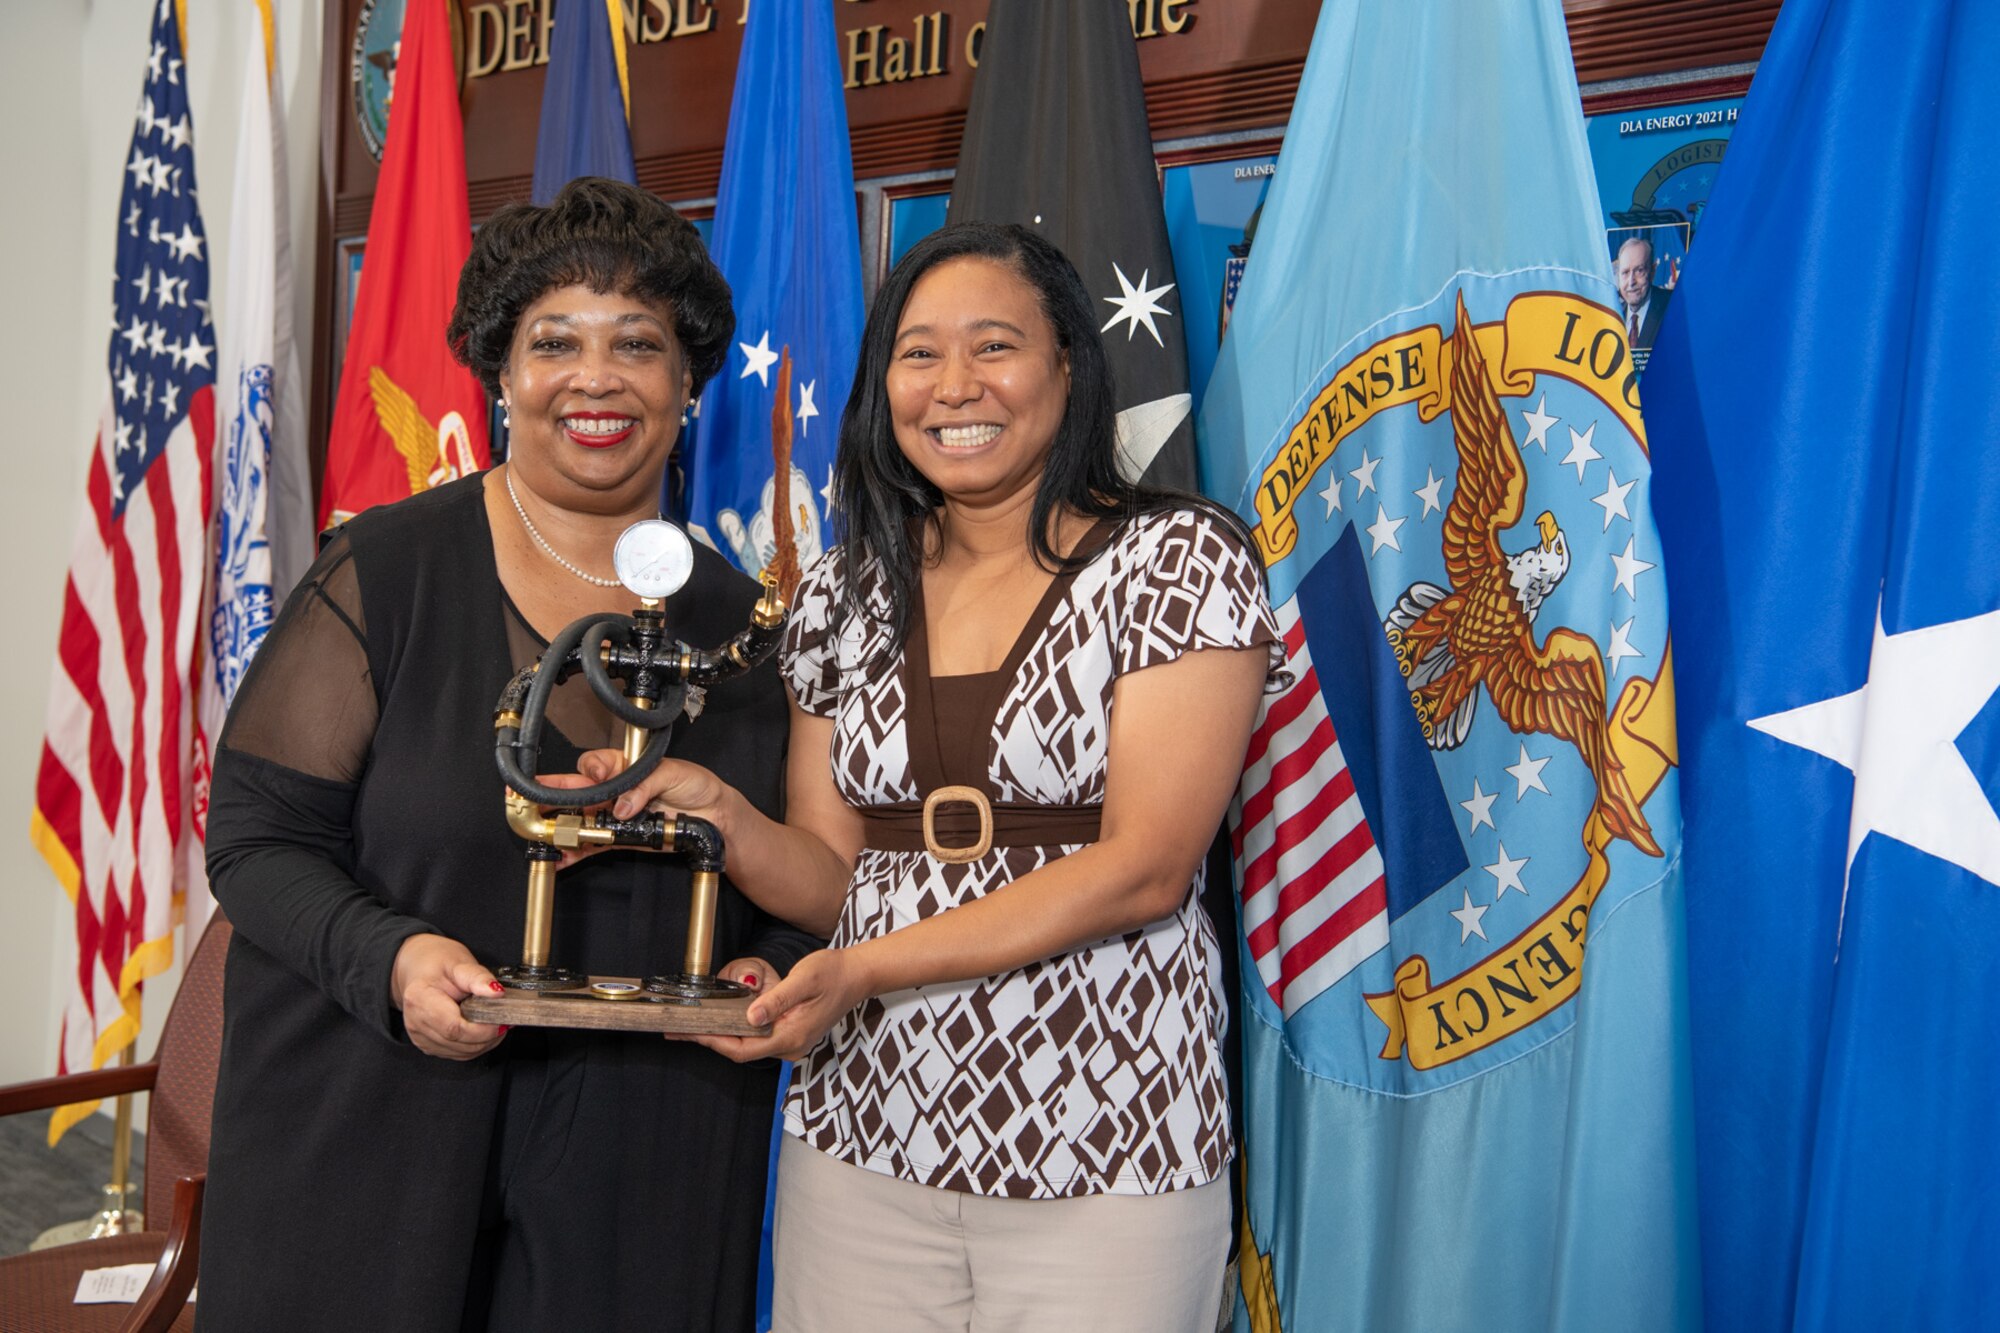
[{"x": 378, "y": 1162}]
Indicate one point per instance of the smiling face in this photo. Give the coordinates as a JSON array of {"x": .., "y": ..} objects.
[
  {"x": 1634, "y": 271},
  {"x": 595, "y": 383},
  {"x": 977, "y": 382}
]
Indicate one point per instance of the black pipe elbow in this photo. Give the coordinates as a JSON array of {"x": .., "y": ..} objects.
[{"x": 700, "y": 841}]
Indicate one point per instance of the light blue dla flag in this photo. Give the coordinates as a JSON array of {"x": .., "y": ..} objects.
[
  {"x": 787, "y": 240},
  {"x": 1466, "y": 1095}
]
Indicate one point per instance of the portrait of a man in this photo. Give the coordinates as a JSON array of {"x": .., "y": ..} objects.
[{"x": 1642, "y": 304}]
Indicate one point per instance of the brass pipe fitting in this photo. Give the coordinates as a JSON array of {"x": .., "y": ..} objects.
[
  {"x": 567, "y": 829},
  {"x": 769, "y": 612},
  {"x": 700, "y": 957},
  {"x": 540, "y": 925}
]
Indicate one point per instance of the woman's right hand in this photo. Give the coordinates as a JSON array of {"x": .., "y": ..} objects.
[
  {"x": 675, "y": 786},
  {"x": 430, "y": 976}
]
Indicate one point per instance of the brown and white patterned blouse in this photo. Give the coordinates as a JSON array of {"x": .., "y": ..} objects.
[{"x": 1097, "y": 1071}]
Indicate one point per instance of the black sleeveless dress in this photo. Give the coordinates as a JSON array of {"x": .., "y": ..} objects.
[{"x": 563, "y": 1180}]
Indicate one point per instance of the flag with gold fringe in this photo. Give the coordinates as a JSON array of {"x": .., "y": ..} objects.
[{"x": 113, "y": 793}]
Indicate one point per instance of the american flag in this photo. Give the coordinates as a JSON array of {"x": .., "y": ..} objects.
[
  {"x": 111, "y": 799},
  {"x": 1315, "y": 902}
]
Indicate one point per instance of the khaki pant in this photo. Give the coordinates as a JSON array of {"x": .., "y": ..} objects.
[{"x": 861, "y": 1252}]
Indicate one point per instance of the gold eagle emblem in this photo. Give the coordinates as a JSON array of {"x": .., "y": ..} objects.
[
  {"x": 1449, "y": 641},
  {"x": 433, "y": 454}
]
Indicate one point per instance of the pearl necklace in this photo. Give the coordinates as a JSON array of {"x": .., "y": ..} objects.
[{"x": 547, "y": 549}]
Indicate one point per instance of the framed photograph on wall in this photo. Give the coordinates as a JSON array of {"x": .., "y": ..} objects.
[
  {"x": 1213, "y": 197},
  {"x": 1656, "y": 154}
]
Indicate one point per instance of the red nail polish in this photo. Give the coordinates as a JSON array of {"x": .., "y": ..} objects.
[
  {"x": 749, "y": 978},
  {"x": 497, "y": 988},
  {"x": 505, "y": 1029}
]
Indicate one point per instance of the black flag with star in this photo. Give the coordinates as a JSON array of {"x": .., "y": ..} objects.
[{"x": 1056, "y": 139}]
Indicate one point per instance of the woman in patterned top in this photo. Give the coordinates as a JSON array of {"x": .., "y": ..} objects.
[{"x": 1010, "y": 1108}]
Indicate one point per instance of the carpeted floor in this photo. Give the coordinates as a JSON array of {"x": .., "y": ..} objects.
[{"x": 41, "y": 1187}]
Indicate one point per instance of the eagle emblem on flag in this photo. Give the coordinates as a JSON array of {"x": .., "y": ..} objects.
[{"x": 1481, "y": 629}]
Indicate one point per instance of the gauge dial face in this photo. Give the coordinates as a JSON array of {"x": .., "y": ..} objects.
[{"x": 653, "y": 558}]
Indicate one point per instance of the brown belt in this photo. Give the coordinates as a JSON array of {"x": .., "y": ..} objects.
[{"x": 959, "y": 824}]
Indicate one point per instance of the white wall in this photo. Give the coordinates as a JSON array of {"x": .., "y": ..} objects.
[{"x": 70, "y": 77}]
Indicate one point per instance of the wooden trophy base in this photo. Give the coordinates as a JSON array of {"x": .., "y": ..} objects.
[{"x": 635, "y": 1010}]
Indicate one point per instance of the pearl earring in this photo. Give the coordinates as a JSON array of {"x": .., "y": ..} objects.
[
  {"x": 684, "y": 418},
  {"x": 506, "y": 413}
]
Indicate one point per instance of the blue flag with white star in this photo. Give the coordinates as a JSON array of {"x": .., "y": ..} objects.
[
  {"x": 1824, "y": 411},
  {"x": 1465, "y": 1072},
  {"x": 787, "y": 239}
]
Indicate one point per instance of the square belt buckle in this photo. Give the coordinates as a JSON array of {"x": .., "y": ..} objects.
[{"x": 973, "y": 797}]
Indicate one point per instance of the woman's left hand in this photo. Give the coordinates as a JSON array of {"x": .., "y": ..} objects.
[{"x": 801, "y": 1008}]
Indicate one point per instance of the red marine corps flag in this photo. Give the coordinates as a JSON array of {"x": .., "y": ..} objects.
[
  {"x": 407, "y": 416},
  {"x": 112, "y": 793}
]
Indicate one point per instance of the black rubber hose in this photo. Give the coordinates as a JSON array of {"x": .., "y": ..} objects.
[
  {"x": 506, "y": 754},
  {"x": 517, "y": 751},
  {"x": 535, "y": 707}
]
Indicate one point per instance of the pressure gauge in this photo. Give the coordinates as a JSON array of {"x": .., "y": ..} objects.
[{"x": 653, "y": 559}]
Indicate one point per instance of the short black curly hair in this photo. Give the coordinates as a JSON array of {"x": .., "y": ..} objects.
[{"x": 597, "y": 233}]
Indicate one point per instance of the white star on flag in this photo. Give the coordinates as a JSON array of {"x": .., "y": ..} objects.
[
  {"x": 1468, "y": 919},
  {"x": 179, "y": 134},
  {"x": 197, "y": 352},
  {"x": 1137, "y": 306},
  {"x": 1527, "y": 774},
  {"x": 1383, "y": 531},
  {"x": 1630, "y": 567},
  {"x": 1429, "y": 493},
  {"x": 135, "y": 336},
  {"x": 762, "y": 358},
  {"x": 1612, "y": 502},
  {"x": 1364, "y": 476},
  {"x": 128, "y": 385},
  {"x": 1332, "y": 492},
  {"x": 1581, "y": 451},
  {"x": 170, "y": 398},
  {"x": 141, "y": 167},
  {"x": 122, "y": 436},
  {"x": 826, "y": 491},
  {"x": 1539, "y": 422},
  {"x": 1480, "y": 807},
  {"x": 187, "y": 245},
  {"x": 1620, "y": 646},
  {"x": 1898, "y": 735},
  {"x": 1506, "y": 872},
  {"x": 807, "y": 409}
]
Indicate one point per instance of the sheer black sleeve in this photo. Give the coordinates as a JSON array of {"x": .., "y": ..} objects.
[{"x": 280, "y": 843}]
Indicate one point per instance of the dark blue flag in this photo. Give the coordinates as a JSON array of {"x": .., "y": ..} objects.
[
  {"x": 787, "y": 239},
  {"x": 1826, "y": 443},
  {"x": 586, "y": 100}
]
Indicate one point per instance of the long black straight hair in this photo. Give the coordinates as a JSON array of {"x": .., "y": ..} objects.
[{"x": 887, "y": 509}]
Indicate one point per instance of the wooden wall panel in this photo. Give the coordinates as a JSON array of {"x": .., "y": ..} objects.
[{"x": 1235, "y": 67}]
